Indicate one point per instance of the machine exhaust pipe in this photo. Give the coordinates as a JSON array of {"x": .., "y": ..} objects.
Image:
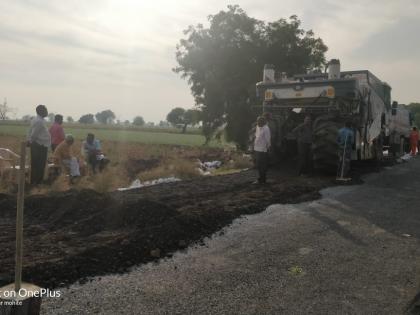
[
  {"x": 269, "y": 74},
  {"x": 334, "y": 70}
]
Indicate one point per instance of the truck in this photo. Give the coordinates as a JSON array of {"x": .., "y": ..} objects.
[{"x": 332, "y": 98}]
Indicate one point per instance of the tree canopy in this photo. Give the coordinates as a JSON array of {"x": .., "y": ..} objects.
[
  {"x": 87, "y": 119},
  {"x": 138, "y": 121},
  {"x": 179, "y": 116},
  {"x": 105, "y": 117},
  {"x": 223, "y": 62},
  {"x": 176, "y": 116}
]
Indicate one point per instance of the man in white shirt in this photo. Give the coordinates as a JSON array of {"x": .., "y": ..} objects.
[
  {"x": 39, "y": 140},
  {"x": 261, "y": 146}
]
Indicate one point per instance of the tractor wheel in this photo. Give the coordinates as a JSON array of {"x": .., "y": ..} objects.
[{"x": 324, "y": 144}]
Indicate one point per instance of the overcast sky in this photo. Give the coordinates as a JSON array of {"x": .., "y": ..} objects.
[{"x": 83, "y": 56}]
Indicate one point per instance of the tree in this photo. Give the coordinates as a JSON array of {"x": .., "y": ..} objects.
[
  {"x": 87, "y": 119},
  {"x": 176, "y": 116},
  {"x": 5, "y": 110},
  {"x": 415, "y": 111},
  {"x": 70, "y": 119},
  {"x": 222, "y": 64},
  {"x": 191, "y": 117},
  {"x": 180, "y": 117},
  {"x": 105, "y": 117},
  {"x": 138, "y": 121}
]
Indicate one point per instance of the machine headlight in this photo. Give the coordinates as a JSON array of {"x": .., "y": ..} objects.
[
  {"x": 268, "y": 95},
  {"x": 330, "y": 91}
]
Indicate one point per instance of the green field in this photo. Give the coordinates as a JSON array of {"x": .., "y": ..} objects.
[{"x": 117, "y": 133}]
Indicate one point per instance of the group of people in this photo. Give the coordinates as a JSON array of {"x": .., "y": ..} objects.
[
  {"x": 40, "y": 139},
  {"x": 304, "y": 135}
]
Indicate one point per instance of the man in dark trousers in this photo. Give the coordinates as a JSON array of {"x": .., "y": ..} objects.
[
  {"x": 39, "y": 140},
  {"x": 303, "y": 134},
  {"x": 345, "y": 141},
  {"x": 262, "y": 145}
]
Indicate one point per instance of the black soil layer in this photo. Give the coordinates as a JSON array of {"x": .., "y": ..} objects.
[{"x": 75, "y": 235}]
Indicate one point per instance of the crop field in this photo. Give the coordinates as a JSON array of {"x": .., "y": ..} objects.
[
  {"x": 156, "y": 135},
  {"x": 134, "y": 153}
]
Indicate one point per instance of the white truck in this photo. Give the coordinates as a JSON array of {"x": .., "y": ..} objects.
[{"x": 331, "y": 98}]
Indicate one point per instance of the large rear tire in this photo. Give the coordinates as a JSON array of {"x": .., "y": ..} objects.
[{"x": 324, "y": 143}]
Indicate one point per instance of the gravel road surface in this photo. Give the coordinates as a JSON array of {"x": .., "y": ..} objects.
[{"x": 355, "y": 251}]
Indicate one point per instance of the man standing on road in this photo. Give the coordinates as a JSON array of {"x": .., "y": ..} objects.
[
  {"x": 345, "y": 141},
  {"x": 39, "y": 140},
  {"x": 56, "y": 132},
  {"x": 414, "y": 139},
  {"x": 303, "y": 134},
  {"x": 262, "y": 144}
]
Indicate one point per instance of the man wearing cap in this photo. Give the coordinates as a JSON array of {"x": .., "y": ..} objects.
[
  {"x": 63, "y": 155},
  {"x": 39, "y": 140}
]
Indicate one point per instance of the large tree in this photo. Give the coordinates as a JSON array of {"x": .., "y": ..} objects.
[
  {"x": 138, "y": 121},
  {"x": 105, "y": 117},
  {"x": 176, "y": 116},
  {"x": 87, "y": 119},
  {"x": 191, "y": 117},
  {"x": 181, "y": 117},
  {"x": 224, "y": 61}
]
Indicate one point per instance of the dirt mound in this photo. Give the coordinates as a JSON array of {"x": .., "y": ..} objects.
[
  {"x": 90, "y": 212},
  {"x": 78, "y": 234}
]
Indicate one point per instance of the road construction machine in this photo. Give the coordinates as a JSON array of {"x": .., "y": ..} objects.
[{"x": 331, "y": 98}]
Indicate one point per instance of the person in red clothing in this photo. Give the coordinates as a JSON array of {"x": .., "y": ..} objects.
[
  {"x": 57, "y": 132},
  {"x": 414, "y": 139}
]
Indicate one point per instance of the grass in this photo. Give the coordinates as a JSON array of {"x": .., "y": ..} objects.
[
  {"x": 130, "y": 151},
  {"x": 117, "y": 133}
]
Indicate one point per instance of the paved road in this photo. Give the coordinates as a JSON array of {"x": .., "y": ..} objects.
[{"x": 355, "y": 251}]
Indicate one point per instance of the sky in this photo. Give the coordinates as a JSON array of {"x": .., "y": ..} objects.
[{"x": 80, "y": 57}]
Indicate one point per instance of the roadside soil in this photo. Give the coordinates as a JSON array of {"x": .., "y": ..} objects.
[{"x": 74, "y": 235}]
